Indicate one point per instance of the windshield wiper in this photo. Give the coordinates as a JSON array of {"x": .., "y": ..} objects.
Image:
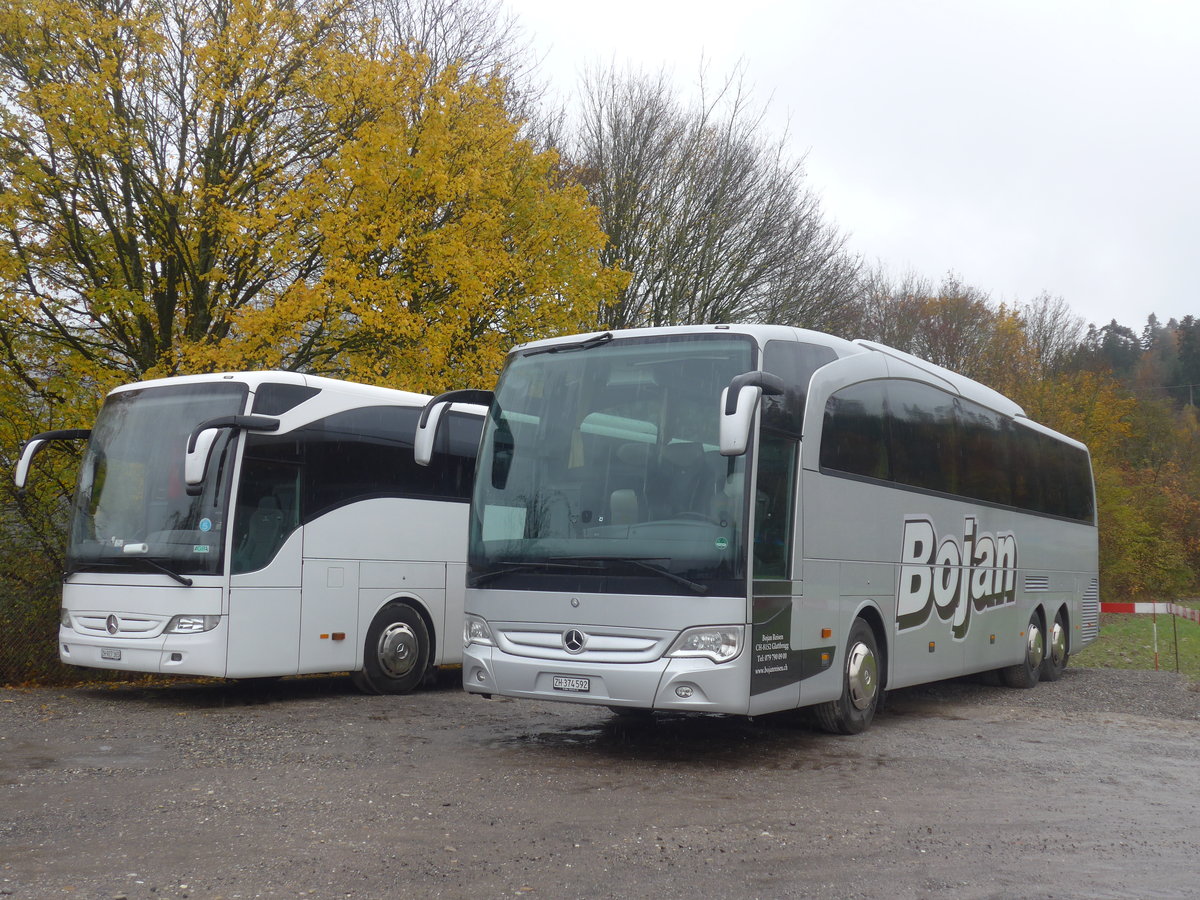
[
  {"x": 114, "y": 564},
  {"x": 649, "y": 567},
  {"x": 508, "y": 567},
  {"x": 597, "y": 340},
  {"x": 166, "y": 570}
]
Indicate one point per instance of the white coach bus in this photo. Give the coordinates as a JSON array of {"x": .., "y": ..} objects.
[
  {"x": 265, "y": 524},
  {"x": 747, "y": 519}
]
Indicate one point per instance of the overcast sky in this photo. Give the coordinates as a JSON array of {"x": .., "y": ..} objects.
[{"x": 1025, "y": 145}]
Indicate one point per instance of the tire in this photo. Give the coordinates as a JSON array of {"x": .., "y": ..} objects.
[
  {"x": 396, "y": 652},
  {"x": 862, "y": 687},
  {"x": 1057, "y": 654},
  {"x": 1026, "y": 673}
]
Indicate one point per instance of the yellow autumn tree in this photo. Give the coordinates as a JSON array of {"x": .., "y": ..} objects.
[
  {"x": 210, "y": 183},
  {"x": 189, "y": 185},
  {"x": 444, "y": 239}
]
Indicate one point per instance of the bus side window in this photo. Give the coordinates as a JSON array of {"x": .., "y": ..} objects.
[
  {"x": 794, "y": 362},
  {"x": 853, "y": 439},
  {"x": 924, "y": 437},
  {"x": 774, "y": 502},
  {"x": 984, "y": 454},
  {"x": 267, "y": 505}
]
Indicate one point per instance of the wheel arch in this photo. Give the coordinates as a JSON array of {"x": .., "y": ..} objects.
[
  {"x": 871, "y": 614},
  {"x": 1064, "y": 609},
  {"x": 417, "y": 603}
]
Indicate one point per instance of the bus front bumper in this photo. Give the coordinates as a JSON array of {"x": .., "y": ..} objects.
[
  {"x": 695, "y": 685},
  {"x": 183, "y": 654}
]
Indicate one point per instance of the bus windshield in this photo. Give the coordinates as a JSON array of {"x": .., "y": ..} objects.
[
  {"x": 131, "y": 510},
  {"x": 600, "y": 470}
]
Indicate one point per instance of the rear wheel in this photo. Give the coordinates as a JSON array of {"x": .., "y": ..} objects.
[
  {"x": 1055, "y": 662},
  {"x": 852, "y": 712},
  {"x": 396, "y": 653},
  {"x": 1026, "y": 673}
]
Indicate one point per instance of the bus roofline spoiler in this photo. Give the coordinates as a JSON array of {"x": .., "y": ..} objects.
[
  {"x": 431, "y": 417},
  {"x": 200, "y": 443},
  {"x": 36, "y": 443}
]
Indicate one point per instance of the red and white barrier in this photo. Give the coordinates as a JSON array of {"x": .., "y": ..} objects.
[{"x": 1164, "y": 609}]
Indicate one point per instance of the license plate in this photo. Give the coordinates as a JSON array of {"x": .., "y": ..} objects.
[
  {"x": 571, "y": 683},
  {"x": 106, "y": 653}
]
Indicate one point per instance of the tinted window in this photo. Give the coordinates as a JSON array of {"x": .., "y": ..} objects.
[
  {"x": 923, "y": 437},
  {"x": 359, "y": 454},
  {"x": 795, "y": 363},
  {"x": 774, "y": 500},
  {"x": 274, "y": 399},
  {"x": 1051, "y": 477},
  {"x": 268, "y": 501},
  {"x": 853, "y": 438},
  {"x": 1080, "y": 499},
  {"x": 367, "y": 452},
  {"x": 984, "y": 454}
]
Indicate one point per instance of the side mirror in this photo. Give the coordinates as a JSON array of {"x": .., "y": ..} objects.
[
  {"x": 202, "y": 438},
  {"x": 195, "y": 460},
  {"x": 739, "y": 403},
  {"x": 37, "y": 443},
  {"x": 431, "y": 417}
]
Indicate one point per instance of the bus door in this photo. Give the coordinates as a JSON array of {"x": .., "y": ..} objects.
[
  {"x": 776, "y": 631},
  {"x": 266, "y": 553},
  {"x": 780, "y": 623}
]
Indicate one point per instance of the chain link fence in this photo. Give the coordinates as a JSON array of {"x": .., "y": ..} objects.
[{"x": 29, "y": 647}]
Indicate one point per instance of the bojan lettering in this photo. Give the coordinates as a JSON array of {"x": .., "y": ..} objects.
[{"x": 953, "y": 575}]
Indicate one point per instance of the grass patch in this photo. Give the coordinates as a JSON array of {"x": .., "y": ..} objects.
[{"x": 1127, "y": 642}]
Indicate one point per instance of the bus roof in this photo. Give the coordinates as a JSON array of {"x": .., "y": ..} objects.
[
  {"x": 254, "y": 379},
  {"x": 761, "y": 333}
]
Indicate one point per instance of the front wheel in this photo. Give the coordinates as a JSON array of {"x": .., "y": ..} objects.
[
  {"x": 1026, "y": 673},
  {"x": 396, "y": 652},
  {"x": 853, "y": 712}
]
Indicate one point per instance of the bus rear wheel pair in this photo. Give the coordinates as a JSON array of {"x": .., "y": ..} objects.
[
  {"x": 1045, "y": 656},
  {"x": 396, "y": 652}
]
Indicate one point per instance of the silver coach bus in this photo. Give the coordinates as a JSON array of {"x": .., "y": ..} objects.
[
  {"x": 258, "y": 524},
  {"x": 748, "y": 519}
]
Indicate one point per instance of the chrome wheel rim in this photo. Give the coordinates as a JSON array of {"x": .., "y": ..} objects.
[
  {"x": 862, "y": 675},
  {"x": 1058, "y": 643},
  {"x": 397, "y": 650},
  {"x": 1035, "y": 649}
]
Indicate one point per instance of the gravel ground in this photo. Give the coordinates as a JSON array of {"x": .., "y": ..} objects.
[{"x": 303, "y": 788}]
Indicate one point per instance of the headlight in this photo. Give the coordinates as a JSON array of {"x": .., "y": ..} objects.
[
  {"x": 476, "y": 631},
  {"x": 64, "y": 617},
  {"x": 719, "y": 643},
  {"x": 192, "y": 624}
]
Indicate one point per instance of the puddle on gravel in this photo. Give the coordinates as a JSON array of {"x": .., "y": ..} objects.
[{"x": 695, "y": 740}]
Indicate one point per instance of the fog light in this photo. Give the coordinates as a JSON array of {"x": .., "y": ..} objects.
[{"x": 684, "y": 691}]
